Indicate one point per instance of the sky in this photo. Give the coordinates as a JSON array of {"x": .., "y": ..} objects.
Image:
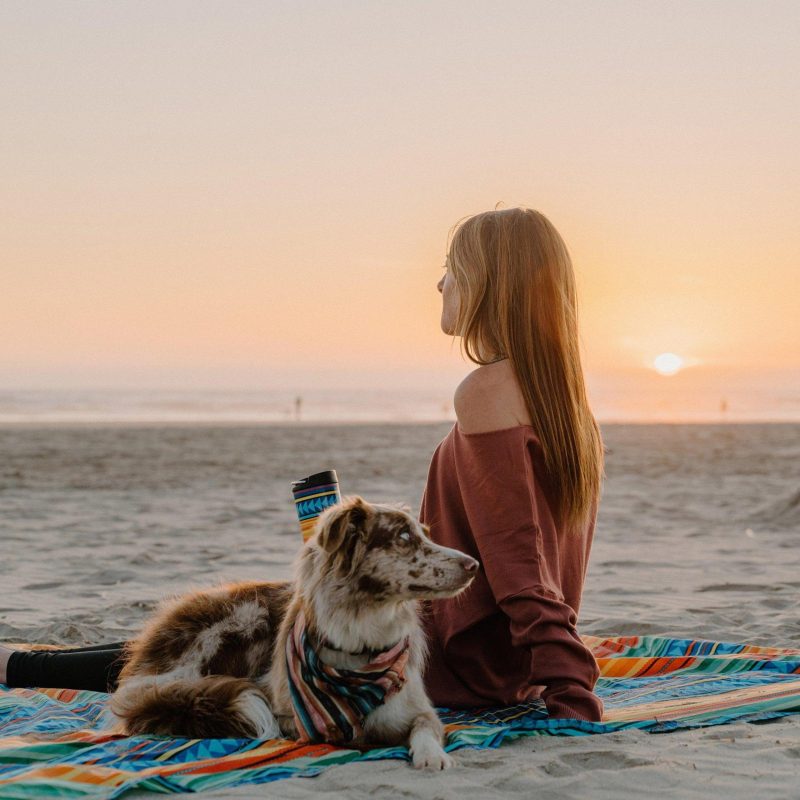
[{"x": 254, "y": 195}]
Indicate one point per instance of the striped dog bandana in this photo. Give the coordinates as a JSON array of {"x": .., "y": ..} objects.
[{"x": 329, "y": 704}]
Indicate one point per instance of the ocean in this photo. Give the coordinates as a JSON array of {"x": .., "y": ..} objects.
[
  {"x": 218, "y": 405},
  {"x": 619, "y": 399}
]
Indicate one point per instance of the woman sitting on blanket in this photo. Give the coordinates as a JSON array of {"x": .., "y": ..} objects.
[{"x": 514, "y": 483}]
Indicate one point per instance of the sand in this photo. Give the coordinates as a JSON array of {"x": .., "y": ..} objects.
[{"x": 698, "y": 536}]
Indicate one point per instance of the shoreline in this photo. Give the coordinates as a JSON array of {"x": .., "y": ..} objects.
[{"x": 351, "y": 423}]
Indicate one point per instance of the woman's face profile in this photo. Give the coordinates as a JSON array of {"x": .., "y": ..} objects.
[{"x": 450, "y": 302}]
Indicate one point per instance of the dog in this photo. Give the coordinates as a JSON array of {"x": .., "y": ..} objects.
[{"x": 334, "y": 655}]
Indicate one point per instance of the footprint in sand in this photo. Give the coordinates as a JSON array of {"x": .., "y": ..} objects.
[
  {"x": 602, "y": 759},
  {"x": 41, "y": 586}
]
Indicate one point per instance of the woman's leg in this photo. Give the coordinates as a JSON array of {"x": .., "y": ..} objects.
[{"x": 95, "y": 668}]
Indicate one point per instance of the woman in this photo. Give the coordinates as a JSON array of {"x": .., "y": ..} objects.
[{"x": 515, "y": 483}]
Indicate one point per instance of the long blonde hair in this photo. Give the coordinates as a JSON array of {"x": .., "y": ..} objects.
[{"x": 518, "y": 300}]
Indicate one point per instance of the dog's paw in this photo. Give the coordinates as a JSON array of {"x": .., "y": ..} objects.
[{"x": 428, "y": 754}]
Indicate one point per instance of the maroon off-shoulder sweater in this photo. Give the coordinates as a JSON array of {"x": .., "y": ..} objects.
[{"x": 511, "y": 635}]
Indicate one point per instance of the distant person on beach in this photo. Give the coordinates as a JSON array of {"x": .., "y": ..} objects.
[{"x": 515, "y": 483}]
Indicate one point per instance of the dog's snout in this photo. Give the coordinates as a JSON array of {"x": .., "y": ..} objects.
[{"x": 469, "y": 564}]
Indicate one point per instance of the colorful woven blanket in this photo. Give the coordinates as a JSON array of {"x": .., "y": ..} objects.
[{"x": 52, "y": 743}]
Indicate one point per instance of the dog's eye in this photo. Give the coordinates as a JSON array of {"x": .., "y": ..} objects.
[{"x": 405, "y": 536}]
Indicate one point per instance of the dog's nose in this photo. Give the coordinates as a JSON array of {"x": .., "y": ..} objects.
[{"x": 469, "y": 564}]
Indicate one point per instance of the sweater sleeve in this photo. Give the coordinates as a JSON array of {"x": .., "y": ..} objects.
[
  {"x": 560, "y": 661},
  {"x": 520, "y": 565}
]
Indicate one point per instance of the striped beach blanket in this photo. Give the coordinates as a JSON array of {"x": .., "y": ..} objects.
[{"x": 52, "y": 743}]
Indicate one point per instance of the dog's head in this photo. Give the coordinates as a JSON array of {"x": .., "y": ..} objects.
[{"x": 385, "y": 555}]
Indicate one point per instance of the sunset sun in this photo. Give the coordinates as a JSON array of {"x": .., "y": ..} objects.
[{"x": 667, "y": 363}]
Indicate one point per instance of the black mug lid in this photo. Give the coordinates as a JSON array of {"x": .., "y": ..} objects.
[{"x": 317, "y": 479}]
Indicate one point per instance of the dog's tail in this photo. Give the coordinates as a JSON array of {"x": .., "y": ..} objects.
[{"x": 217, "y": 707}]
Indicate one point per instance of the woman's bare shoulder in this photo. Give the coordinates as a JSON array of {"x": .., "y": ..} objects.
[{"x": 489, "y": 399}]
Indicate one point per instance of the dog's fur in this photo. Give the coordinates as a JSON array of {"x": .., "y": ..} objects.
[{"x": 211, "y": 664}]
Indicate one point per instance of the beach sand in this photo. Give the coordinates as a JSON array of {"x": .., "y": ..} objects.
[{"x": 697, "y": 537}]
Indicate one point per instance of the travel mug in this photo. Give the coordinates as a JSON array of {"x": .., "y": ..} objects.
[{"x": 312, "y": 495}]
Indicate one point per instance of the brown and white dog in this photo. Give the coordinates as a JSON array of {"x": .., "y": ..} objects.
[{"x": 215, "y": 664}]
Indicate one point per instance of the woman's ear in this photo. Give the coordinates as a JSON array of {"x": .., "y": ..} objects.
[{"x": 347, "y": 517}]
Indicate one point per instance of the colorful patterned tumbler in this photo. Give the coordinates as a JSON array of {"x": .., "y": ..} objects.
[{"x": 312, "y": 495}]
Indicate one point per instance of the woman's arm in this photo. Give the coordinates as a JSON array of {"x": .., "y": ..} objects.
[
  {"x": 539, "y": 618},
  {"x": 561, "y": 662}
]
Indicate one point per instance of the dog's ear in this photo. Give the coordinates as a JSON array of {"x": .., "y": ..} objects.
[{"x": 342, "y": 520}]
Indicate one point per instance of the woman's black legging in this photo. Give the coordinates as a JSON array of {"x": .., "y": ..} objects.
[{"x": 95, "y": 668}]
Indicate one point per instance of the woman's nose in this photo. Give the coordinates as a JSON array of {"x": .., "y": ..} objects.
[{"x": 440, "y": 284}]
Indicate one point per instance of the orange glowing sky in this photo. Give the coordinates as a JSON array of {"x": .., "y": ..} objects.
[{"x": 233, "y": 195}]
